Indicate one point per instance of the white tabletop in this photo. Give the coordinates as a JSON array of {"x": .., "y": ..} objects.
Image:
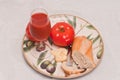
[{"x": 14, "y": 15}]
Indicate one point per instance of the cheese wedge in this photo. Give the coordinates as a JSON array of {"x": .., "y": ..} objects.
[{"x": 82, "y": 52}]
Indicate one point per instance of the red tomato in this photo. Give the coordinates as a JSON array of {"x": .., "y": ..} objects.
[
  {"x": 29, "y": 36},
  {"x": 62, "y": 34}
]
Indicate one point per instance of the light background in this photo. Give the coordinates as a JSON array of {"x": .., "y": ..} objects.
[{"x": 15, "y": 14}]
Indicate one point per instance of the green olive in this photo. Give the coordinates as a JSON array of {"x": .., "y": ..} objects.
[
  {"x": 45, "y": 64},
  {"x": 29, "y": 43}
]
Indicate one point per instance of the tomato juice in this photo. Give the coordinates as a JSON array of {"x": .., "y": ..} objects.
[{"x": 40, "y": 26}]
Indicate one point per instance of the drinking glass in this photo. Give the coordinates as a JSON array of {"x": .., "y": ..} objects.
[{"x": 40, "y": 25}]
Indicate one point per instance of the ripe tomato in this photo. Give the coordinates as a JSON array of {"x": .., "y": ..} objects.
[
  {"x": 29, "y": 36},
  {"x": 62, "y": 34}
]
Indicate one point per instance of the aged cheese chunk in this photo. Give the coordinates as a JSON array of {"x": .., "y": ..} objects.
[{"x": 60, "y": 54}]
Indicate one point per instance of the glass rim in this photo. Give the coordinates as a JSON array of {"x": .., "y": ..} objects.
[
  {"x": 42, "y": 9},
  {"x": 32, "y": 13}
]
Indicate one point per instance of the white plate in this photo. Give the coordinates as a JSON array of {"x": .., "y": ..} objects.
[{"x": 81, "y": 28}]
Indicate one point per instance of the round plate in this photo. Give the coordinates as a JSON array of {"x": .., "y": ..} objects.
[{"x": 81, "y": 27}]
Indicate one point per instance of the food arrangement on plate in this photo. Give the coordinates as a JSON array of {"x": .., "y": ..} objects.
[{"x": 73, "y": 48}]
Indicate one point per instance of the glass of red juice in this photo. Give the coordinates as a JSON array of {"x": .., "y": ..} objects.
[{"x": 40, "y": 25}]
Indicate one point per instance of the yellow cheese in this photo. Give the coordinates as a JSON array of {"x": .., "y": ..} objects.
[{"x": 60, "y": 54}]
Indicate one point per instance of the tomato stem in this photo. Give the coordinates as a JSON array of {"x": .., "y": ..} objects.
[{"x": 62, "y": 29}]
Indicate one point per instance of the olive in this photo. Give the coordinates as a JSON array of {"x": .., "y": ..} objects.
[
  {"x": 51, "y": 68},
  {"x": 45, "y": 64},
  {"x": 40, "y": 46},
  {"x": 99, "y": 54},
  {"x": 29, "y": 43}
]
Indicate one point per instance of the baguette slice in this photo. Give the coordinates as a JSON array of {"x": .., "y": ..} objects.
[
  {"x": 82, "y": 52},
  {"x": 71, "y": 69}
]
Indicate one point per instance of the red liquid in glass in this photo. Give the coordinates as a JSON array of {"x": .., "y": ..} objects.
[{"x": 40, "y": 26}]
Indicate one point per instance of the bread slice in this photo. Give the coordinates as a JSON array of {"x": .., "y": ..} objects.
[
  {"x": 82, "y": 52},
  {"x": 70, "y": 69}
]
